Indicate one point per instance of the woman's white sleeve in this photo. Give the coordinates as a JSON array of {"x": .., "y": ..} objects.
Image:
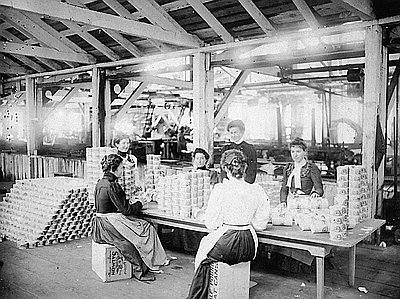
[
  {"x": 213, "y": 217},
  {"x": 261, "y": 215}
]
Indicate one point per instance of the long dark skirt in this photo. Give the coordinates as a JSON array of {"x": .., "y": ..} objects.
[
  {"x": 233, "y": 247},
  {"x": 105, "y": 233}
]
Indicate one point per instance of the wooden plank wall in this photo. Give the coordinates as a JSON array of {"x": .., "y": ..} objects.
[{"x": 17, "y": 167}]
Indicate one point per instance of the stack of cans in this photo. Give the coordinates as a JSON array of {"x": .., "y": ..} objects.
[
  {"x": 153, "y": 171},
  {"x": 337, "y": 225},
  {"x": 182, "y": 193},
  {"x": 47, "y": 210}
]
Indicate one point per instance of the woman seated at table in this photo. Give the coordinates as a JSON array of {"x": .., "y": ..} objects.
[
  {"x": 235, "y": 210},
  {"x": 115, "y": 223},
  {"x": 300, "y": 177},
  {"x": 123, "y": 143}
]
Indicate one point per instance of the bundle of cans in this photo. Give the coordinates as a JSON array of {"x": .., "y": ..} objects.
[
  {"x": 153, "y": 171},
  {"x": 45, "y": 211},
  {"x": 182, "y": 194},
  {"x": 353, "y": 193}
]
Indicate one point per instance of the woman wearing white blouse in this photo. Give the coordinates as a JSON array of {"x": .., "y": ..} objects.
[{"x": 235, "y": 211}]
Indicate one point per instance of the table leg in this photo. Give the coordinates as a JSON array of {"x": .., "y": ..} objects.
[
  {"x": 320, "y": 277},
  {"x": 352, "y": 265}
]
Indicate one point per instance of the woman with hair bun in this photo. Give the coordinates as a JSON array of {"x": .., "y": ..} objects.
[
  {"x": 236, "y": 209},
  {"x": 115, "y": 223},
  {"x": 123, "y": 143}
]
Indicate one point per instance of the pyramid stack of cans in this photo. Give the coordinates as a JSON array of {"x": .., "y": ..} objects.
[
  {"x": 353, "y": 193},
  {"x": 130, "y": 181},
  {"x": 181, "y": 194},
  {"x": 93, "y": 166},
  {"x": 153, "y": 171},
  {"x": 47, "y": 210}
]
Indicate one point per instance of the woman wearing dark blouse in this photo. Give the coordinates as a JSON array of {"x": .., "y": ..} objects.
[
  {"x": 300, "y": 177},
  {"x": 115, "y": 223}
]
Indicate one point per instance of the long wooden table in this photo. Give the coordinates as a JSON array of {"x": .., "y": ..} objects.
[{"x": 319, "y": 245}]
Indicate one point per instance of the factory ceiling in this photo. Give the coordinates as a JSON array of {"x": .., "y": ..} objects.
[{"x": 42, "y": 36}]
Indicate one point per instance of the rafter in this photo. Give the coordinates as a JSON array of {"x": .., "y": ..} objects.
[
  {"x": 130, "y": 100},
  {"x": 33, "y": 29},
  {"x": 307, "y": 14},
  {"x": 258, "y": 16},
  {"x": 362, "y": 8},
  {"x": 123, "y": 12},
  {"x": 15, "y": 48},
  {"x": 12, "y": 69},
  {"x": 229, "y": 97},
  {"x": 65, "y": 11},
  {"x": 211, "y": 20},
  {"x": 28, "y": 62}
]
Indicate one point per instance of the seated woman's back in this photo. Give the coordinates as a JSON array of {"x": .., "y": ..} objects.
[{"x": 237, "y": 203}]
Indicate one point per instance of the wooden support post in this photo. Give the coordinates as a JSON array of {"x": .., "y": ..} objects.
[
  {"x": 203, "y": 103},
  {"x": 279, "y": 125},
  {"x": 374, "y": 104},
  {"x": 98, "y": 104},
  {"x": 30, "y": 123},
  {"x": 107, "y": 110},
  {"x": 313, "y": 141}
]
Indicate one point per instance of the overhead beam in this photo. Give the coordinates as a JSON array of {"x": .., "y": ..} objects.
[
  {"x": 129, "y": 101},
  {"x": 211, "y": 20},
  {"x": 36, "y": 51},
  {"x": 362, "y": 8},
  {"x": 136, "y": 69},
  {"x": 63, "y": 11},
  {"x": 61, "y": 104},
  {"x": 13, "y": 69},
  {"x": 307, "y": 14},
  {"x": 230, "y": 96},
  {"x": 258, "y": 16},
  {"x": 164, "y": 81}
]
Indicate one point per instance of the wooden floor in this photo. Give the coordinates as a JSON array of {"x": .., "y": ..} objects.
[{"x": 64, "y": 271}]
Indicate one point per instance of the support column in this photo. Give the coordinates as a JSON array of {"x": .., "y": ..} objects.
[
  {"x": 203, "y": 103},
  {"x": 374, "y": 105},
  {"x": 107, "y": 111},
  {"x": 98, "y": 124},
  {"x": 30, "y": 123}
]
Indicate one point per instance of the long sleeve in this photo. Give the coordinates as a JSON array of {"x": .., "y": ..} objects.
[
  {"x": 317, "y": 180},
  {"x": 262, "y": 213},
  {"x": 213, "y": 216},
  {"x": 252, "y": 167},
  {"x": 284, "y": 188},
  {"x": 118, "y": 197}
]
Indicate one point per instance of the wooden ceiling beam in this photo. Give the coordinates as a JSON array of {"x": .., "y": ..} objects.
[
  {"x": 123, "y": 12},
  {"x": 211, "y": 20},
  {"x": 258, "y": 16},
  {"x": 163, "y": 81},
  {"x": 131, "y": 70},
  {"x": 307, "y": 13},
  {"x": 33, "y": 65},
  {"x": 13, "y": 69},
  {"x": 35, "y": 51},
  {"x": 230, "y": 96},
  {"x": 26, "y": 25},
  {"x": 129, "y": 101},
  {"x": 63, "y": 11},
  {"x": 362, "y": 8}
]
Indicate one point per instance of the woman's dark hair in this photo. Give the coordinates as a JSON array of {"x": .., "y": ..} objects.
[
  {"x": 299, "y": 142},
  {"x": 235, "y": 161},
  {"x": 118, "y": 138},
  {"x": 237, "y": 123},
  {"x": 110, "y": 162},
  {"x": 201, "y": 151}
]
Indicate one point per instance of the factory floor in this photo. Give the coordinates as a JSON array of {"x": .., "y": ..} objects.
[{"x": 63, "y": 270}]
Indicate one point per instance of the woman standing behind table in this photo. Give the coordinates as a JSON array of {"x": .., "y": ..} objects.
[
  {"x": 115, "y": 223},
  {"x": 235, "y": 210},
  {"x": 300, "y": 177},
  {"x": 123, "y": 143}
]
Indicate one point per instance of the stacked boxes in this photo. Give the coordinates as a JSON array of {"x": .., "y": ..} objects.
[
  {"x": 181, "y": 194},
  {"x": 337, "y": 226},
  {"x": 93, "y": 166},
  {"x": 153, "y": 171},
  {"x": 353, "y": 193},
  {"x": 130, "y": 181},
  {"x": 47, "y": 210}
]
